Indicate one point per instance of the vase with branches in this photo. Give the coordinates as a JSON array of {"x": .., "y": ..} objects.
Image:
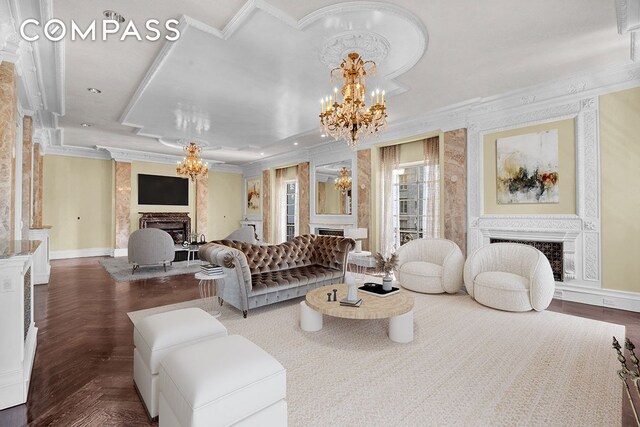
[{"x": 386, "y": 265}]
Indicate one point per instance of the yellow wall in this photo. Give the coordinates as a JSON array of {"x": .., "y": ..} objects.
[
  {"x": 567, "y": 174},
  {"x": 78, "y": 202},
  {"x": 157, "y": 169},
  {"x": 225, "y": 204},
  {"x": 620, "y": 175}
]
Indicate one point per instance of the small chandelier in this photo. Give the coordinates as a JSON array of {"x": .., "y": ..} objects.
[
  {"x": 343, "y": 182},
  {"x": 351, "y": 120},
  {"x": 191, "y": 165}
]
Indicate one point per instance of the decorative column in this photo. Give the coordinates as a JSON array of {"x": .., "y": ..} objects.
[
  {"x": 27, "y": 149},
  {"x": 36, "y": 217},
  {"x": 455, "y": 187},
  {"x": 364, "y": 194},
  {"x": 266, "y": 205},
  {"x": 303, "y": 198},
  {"x": 123, "y": 207},
  {"x": 202, "y": 201},
  {"x": 8, "y": 124}
]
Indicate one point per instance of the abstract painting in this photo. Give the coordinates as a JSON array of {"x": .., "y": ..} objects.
[
  {"x": 527, "y": 168},
  {"x": 254, "y": 201}
]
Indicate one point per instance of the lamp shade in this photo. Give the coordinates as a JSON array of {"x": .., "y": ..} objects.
[{"x": 356, "y": 233}]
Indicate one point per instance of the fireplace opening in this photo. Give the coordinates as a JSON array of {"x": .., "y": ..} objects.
[
  {"x": 554, "y": 251},
  {"x": 330, "y": 232}
]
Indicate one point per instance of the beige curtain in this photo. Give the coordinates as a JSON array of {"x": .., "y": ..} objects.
[
  {"x": 431, "y": 148},
  {"x": 389, "y": 160},
  {"x": 279, "y": 195}
]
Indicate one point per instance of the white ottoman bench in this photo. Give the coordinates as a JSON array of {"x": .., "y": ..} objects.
[
  {"x": 222, "y": 382},
  {"x": 156, "y": 336}
]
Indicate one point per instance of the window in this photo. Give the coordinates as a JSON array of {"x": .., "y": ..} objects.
[
  {"x": 410, "y": 210},
  {"x": 290, "y": 209}
]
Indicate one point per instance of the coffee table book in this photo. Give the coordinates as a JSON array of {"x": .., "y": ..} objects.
[
  {"x": 347, "y": 303},
  {"x": 376, "y": 289}
]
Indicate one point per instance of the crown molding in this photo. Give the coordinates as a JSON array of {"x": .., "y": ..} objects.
[
  {"x": 628, "y": 19},
  {"x": 128, "y": 156},
  {"x": 70, "y": 151},
  {"x": 40, "y": 65},
  {"x": 628, "y": 15}
]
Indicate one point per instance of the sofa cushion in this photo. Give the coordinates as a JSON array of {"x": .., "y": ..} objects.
[
  {"x": 421, "y": 276},
  {"x": 220, "y": 382},
  {"x": 502, "y": 280},
  {"x": 299, "y": 276},
  {"x": 504, "y": 291}
]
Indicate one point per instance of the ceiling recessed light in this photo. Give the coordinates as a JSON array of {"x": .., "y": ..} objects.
[
  {"x": 112, "y": 15},
  {"x": 86, "y": 125},
  {"x": 295, "y": 143},
  {"x": 94, "y": 90},
  {"x": 323, "y": 135},
  {"x": 262, "y": 154}
]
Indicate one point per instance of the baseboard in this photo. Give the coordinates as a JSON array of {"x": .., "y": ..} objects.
[
  {"x": 610, "y": 298},
  {"x": 120, "y": 252},
  {"x": 81, "y": 253}
]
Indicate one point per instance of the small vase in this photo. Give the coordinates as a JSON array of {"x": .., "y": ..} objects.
[
  {"x": 387, "y": 283},
  {"x": 352, "y": 292}
]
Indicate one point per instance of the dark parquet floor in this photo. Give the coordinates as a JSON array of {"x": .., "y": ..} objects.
[{"x": 83, "y": 367}]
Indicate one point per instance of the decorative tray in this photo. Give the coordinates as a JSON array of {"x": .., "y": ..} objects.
[{"x": 376, "y": 289}]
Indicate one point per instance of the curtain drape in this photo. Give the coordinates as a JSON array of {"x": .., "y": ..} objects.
[
  {"x": 279, "y": 195},
  {"x": 431, "y": 148},
  {"x": 389, "y": 160}
]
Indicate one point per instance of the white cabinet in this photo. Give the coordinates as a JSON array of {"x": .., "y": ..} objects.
[
  {"x": 18, "y": 334},
  {"x": 41, "y": 265}
]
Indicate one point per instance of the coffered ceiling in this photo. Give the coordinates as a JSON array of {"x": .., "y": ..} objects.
[{"x": 245, "y": 77}]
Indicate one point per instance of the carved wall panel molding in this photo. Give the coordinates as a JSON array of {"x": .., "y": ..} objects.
[{"x": 580, "y": 232}]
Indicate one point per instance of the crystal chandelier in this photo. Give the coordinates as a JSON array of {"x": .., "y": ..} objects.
[
  {"x": 343, "y": 182},
  {"x": 351, "y": 120},
  {"x": 191, "y": 165}
]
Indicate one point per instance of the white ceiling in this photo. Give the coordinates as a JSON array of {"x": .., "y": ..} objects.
[{"x": 245, "y": 80}]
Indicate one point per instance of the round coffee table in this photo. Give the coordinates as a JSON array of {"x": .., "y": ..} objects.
[{"x": 398, "y": 308}]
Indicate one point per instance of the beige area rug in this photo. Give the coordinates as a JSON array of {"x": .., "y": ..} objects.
[{"x": 468, "y": 365}]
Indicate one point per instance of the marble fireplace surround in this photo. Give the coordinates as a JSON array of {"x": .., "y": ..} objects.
[
  {"x": 552, "y": 228},
  {"x": 177, "y": 222}
]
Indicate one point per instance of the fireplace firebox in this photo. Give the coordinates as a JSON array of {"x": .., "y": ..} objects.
[{"x": 552, "y": 250}]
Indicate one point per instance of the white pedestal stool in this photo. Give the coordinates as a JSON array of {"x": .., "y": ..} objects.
[
  {"x": 157, "y": 335},
  {"x": 222, "y": 382}
]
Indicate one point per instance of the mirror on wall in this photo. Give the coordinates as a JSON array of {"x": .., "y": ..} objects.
[{"x": 333, "y": 188}]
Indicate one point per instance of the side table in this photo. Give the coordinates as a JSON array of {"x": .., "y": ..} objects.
[{"x": 208, "y": 286}]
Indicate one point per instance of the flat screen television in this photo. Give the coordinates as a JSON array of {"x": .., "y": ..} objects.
[{"x": 163, "y": 190}]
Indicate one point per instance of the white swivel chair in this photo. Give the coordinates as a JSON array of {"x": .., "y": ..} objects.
[
  {"x": 510, "y": 277},
  {"x": 431, "y": 266},
  {"x": 150, "y": 246},
  {"x": 246, "y": 233}
]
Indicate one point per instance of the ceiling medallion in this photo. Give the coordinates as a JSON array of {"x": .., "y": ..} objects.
[
  {"x": 343, "y": 182},
  {"x": 351, "y": 120},
  {"x": 191, "y": 165},
  {"x": 368, "y": 44}
]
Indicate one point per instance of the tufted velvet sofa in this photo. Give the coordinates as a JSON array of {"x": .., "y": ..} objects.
[{"x": 258, "y": 275}]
